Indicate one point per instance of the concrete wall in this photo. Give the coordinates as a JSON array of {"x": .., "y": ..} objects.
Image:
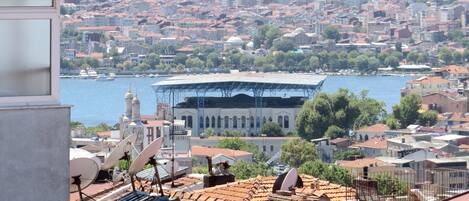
[{"x": 34, "y": 153}]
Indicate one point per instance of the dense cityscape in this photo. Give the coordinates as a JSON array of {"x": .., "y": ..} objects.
[{"x": 238, "y": 109}]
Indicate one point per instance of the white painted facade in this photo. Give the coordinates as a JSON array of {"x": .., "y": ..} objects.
[{"x": 236, "y": 119}]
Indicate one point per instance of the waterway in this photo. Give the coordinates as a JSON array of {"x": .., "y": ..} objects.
[{"x": 97, "y": 102}]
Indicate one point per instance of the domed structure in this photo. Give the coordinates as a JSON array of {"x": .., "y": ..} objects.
[
  {"x": 235, "y": 40},
  {"x": 135, "y": 109},
  {"x": 128, "y": 103}
]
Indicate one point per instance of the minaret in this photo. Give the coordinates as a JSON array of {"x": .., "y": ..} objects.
[
  {"x": 128, "y": 103},
  {"x": 136, "y": 109}
]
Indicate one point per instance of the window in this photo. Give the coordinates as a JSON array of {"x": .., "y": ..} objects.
[
  {"x": 251, "y": 121},
  {"x": 264, "y": 120},
  {"x": 243, "y": 122},
  {"x": 286, "y": 122},
  {"x": 219, "y": 122},
  {"x": 235, "y": 122},
  {"x": 264, "y": 149},
  {"x": 207, "y": 122},
  {"x": 280, "y": 121},
  {"x": 184, "y": 118},
  {"x": 271, "y": 148},
  {"x": 213, "y": 121},
  {"x": 227, "y": 122},
  {"x": 29, "y": 52},
  {"x": 201, "y": 122},
  {"x": 189, "y": 121},
  {"x": 258, "y": 122}
]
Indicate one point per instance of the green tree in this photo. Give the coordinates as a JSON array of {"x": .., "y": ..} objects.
[
  {"x": 455, "y": 35},
  {"x": 244, "y": 170},
  {"x": 407, "y": 111},
  {"x": 297, "y": 151},
  {"x": 412, "y": 57},
  {"x": 180, "y": 58},
  {"x": 398, "y": 46},
  {"x": 153, "y": 60},
  {"x": 332, "y": 33},
  {"x": 272, "y": 129},
  {"x": 329, "y": 172},
  {"x": 194, "y": 63},
  {"x": 445, "y": 55},
  {"x": 390, "y": 185},
  {"x": 96, "y": 129},
  {"x": 393, "y": 123},
  {"x": 314, "y": 63},
  {"x": 334, "y": 132},
  {"x": 428, "y": 118},
  {"x": 75, "y": 124},
  {"x": 284, "y": 45},
  {"x": 391, "y": 61},
  {"x": 349, "y": 155}
]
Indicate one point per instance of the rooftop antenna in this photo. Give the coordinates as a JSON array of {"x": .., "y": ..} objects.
[
  {"x": 84, "y": 168},
  {"x": 121, "y": 151},
  {"x": 147, "y": 156},
  {"x": 287, "y": 181},
  {"x": 173, "y": 143}
]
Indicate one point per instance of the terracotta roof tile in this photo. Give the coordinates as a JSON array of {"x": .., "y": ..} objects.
[
  {"x": 377, "y": 128},
  {"x": 374, "y": 143},
  {"x": 205, "y": 151}
]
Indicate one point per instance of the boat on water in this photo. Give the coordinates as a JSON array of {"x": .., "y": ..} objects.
[
  {"x": 83, "y": 74},
  {"x": 103, "y": 77},
  {"x": 92, "y": 74}
]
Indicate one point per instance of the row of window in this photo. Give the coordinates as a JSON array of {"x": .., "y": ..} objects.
[{"x": 283, "y": 121}]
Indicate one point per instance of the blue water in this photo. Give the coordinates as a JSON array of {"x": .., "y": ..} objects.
[{"x": 96, "y": 102}]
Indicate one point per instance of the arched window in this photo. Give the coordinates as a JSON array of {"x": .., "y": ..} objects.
[
  {"x": 270, "y": 119},
  {"x": 361, "y": 138},
  {"x": 286, "y": 122},
  {"x": 264, "y": 120},
  {"x": 243, "y": 122},
  {"x": 280, "y": 121},
  {"x": 227, "y": 122},
  {"x": 213, "y": 121},
  {"x": 184, "y": 118},
  {"x": 201, "y": 122},
  {"x": 219, "y": 122},
  {"x": 251, "y": 121},
  {"x": 207, "y": 122},
  {"x": 189, "y": 121},
  {"x": 235, "y": 122},
  {"x": 366, "y": 137},
  {"x": 258, "y": 122}
]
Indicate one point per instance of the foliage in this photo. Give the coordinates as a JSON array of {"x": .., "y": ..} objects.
[
  {"x": 284, "y": 45},
  {"x": 428, "y": 118},
  {"x": 99, "y": 128},
  {"x": 75, "y": 124},
  {"x": 230, "y": 133},
  {"x": 238, "y": 144},
  {"x": 266, "y": 35},
  {"x": 329, "y": 172},
  {"x": 332, "y": 33},
  {"x": 272, "y": 129},
  {"x": 334, "y": 132},
  {"x": 407, "y": 111},
  {"x": 297, "y": 151},
  {"x": 123, "y": 165},
  {"x": 393, "y": 123},
  {"x": 342, "y": 109},
  {"x": 349, "y": 154},
  {"x": 390, "y": 185},
  {"x": 200, "y": 169},
  {"x": 244, "y": 170},
  {"x": 209, "y": 132}
]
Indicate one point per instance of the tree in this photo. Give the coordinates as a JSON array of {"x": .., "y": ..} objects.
[
  {"x": 153, "y": 60},
  {"x": 297, "y": 151},
  {"x": 142, "y": 66},
  {"x": 99, "y": 128},
  {"x": 407, "y": 111},
  {"x": 412, "y": 57},
  {"x": 455, "y": 35},
  {"x": 445, "y": 55},
  {"x": 272, "y": 129},
  {"x": 314, "y": 63},
  {"x": 393, "y": 123},
  {"x": 284, "y": 45},
  {"x": 390, "y": 185},
  {"x": 194, "y": 63},
  {"x": 398, "y": 46},
  {"x": 349, "y": 155},
  {"x": 391, "y": 61},
  {"x": 332, "y": 33},
  {"x": 428, "y": 118},
  {"x": 329, "y": 172},
  {"x": 180, "y": 58},
  {"x": 244, "y": 170},
  {"x": 334, "y": 132},
  {"x": 75, "y": 124}
]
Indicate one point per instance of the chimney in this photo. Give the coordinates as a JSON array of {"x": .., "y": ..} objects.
[{"x": 210, "y": 165}]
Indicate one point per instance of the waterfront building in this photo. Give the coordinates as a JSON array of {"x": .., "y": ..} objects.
[
  {"x": 426, "y": 85},
  {"x": 239, "y": 112}
]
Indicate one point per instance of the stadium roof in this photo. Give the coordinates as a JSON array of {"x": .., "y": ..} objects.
[{"x": 241, "y": 81}]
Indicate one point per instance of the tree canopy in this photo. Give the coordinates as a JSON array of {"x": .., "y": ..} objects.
[
  {"x": 406, "y": 112},
  {"x": 272, "y": 129},
  {"x": 329, "y": 172},
  {"x": 297, "y": 151},
  {"x": 342, "y": 111},
  {"x": 245, "y": 170}
]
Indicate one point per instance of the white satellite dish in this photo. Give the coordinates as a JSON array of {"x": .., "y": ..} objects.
[
  {"x": 84, "y": 168},
  {"x": 287, "y": 181},
  {"x": 290, "y": 180},
  {"x": 144, "y": 157},
  {"x": 122, "y": 149}
]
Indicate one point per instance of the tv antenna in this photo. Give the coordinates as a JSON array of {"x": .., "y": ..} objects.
[
  {"x": 147, "y": 156},
  {"x": 84, "y": 168}
]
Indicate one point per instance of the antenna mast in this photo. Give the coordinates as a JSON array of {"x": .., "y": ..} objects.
[{"x": 173, "y": 144}]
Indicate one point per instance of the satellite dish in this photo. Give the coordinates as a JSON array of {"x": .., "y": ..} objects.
[
  {"x": 84, "y": 168},
  {"x": 144, "y": 157},
  {"x": 121, "y": 150},
  {"x": 288, "y": 180}
]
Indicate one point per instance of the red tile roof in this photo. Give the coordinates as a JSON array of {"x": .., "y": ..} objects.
[
  {"x": 205, "y": 151},
  {"x": 377, "y": 128},
  {"x": 374, "y": 143},
  {"x": 259, "y": 188},
  {"x": 359, "y": 163}
]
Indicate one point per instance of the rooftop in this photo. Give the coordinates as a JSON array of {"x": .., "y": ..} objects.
[
  {"x": 205, "y": 151},
  {"x": 374, "y": 143},
  {"x": 241, "y": 81},
  {"x": 377, "y": 128},
  {"x": 360, "y": 163}
]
